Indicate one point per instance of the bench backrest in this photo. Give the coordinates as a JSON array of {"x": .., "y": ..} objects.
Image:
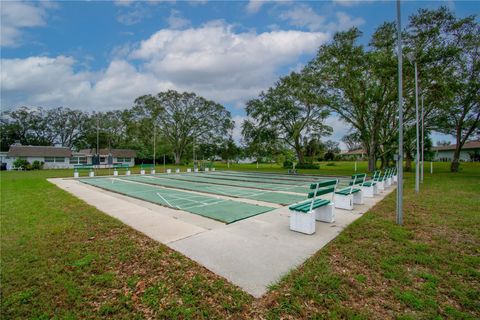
[
  {"x": 386, "y": 173},
  {"x": 121, "y": 166},
  {"x": 146, "y": 166},
  {"x": 376, "y": 175},
  {"x": 321, "y": 188},
  {"x": 358, "y": 178},
  {"x": 78, "y": 167}
]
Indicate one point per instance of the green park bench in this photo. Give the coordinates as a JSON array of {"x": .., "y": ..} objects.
[
  {"x": 345, "y": 198},
  {"x": 77, "y": 168},
  {"x": 370, "y": 187},
  {"x": 303, "y": 215},
  {"x": 121, "y": 166},
  {"x": 145, "y": 166}
]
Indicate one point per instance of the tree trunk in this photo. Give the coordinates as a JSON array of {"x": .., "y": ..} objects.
[
  {"x": 408, "y": 162},
  {"x": 454, "y": 166},
  {"x": 178, "y": 157},
  {"x": 372, "y": 161}
]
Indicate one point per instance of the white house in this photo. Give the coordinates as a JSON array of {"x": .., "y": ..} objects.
[
  {"x": 62, "y": 157},
  {"x": 52, "y": 157},
  {"x": 470, "y": 152},
  {"x": 107, "y": 156}
]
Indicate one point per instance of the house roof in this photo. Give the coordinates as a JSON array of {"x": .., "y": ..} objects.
[
  {"x": 38, "y": 151},
  {"x": 353, "y": 152},
  {"x": 467, "y": 145},
  {"x": 114, "y": 152}
]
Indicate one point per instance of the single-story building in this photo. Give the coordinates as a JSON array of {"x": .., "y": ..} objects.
[
  {"x": 470, "y": 152},
  {"x": 62, "y": 157},
  {"x": 108, "y": 156},
  {"x": 358, "y": 154}
]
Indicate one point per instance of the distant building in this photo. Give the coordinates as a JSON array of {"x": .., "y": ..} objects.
[
  {"x": 62, "y": 157},
  {"x": 108, "y": 156},
  {"x": 353, "y": 154},
  {"x": 470, "y": 152}
]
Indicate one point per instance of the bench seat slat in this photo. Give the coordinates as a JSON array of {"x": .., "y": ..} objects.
[
  {"x": 305, "y": 206},
  {"x": 346, "y": 192}
]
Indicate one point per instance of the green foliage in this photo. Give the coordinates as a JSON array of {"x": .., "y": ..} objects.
[
  {"x": 307, "y": 166},
  {"x": 37, "y": 165},
  {"x": 287, "y": 164},
  {"x": 21, "y": 164},
  {"x": 291, "y": 112}
]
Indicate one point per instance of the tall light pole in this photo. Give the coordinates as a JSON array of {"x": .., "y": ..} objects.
[
  {"x": 413, "y": 60},
  {"x": 154, "y": 143},
  {"x": 400, "y": 120},
  {"x": 423, "y": 141}
]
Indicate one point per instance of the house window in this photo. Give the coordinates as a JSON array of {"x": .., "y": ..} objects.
[
  {"x": 54, "y": 159},
  {"x": 103, "y": 159},
  {"x": 78, "y": 160},
  {"x": 122, "y": 159}
]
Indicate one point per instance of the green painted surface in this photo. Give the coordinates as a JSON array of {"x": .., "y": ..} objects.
[
  {"x": 227, "y": 211},
  {"x": 232, "y": 191},
  {"x": 206, "y": 178}
]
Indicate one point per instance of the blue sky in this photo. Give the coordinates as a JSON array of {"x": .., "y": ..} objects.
[{"x": 102, "y": 55}]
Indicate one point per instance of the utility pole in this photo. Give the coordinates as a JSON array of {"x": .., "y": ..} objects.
[
  {"x": 413, "y": 61},
  {"x": 400, "y": 120},
  {"x": 423, "y": 142},
  {"x": 154, "y": 143}
]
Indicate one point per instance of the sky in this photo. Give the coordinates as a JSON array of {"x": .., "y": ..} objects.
[{"x": 101, "y": 55}]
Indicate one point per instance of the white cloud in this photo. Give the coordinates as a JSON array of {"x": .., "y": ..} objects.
[
  {"x": 304, "y": 16},
  {"x": 254, "y": 6},
  {"x": 237, "y": 130},
  {"x": 222, "y": 64},
  {"x": 133, "y": 16},
  {"x": 351, "y": 3},
  {"x": 212, "y": 60},
  {"x": 176, "y": 21},
  {"x": 123, "y": 3},
  {"x": 16, "y": 16}
]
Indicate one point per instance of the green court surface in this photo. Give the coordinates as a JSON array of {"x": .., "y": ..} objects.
[
  {"x": 227, "y": 211},
  {"x": 281, "y": 176},
  {"x": 231, "y": 191},
  {"x": 207, "y": 178}
]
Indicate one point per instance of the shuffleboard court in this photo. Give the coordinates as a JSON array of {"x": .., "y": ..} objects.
[
  {"x": 281, "y": 176},
  {"x": 227, "y": 211},
  {"x": 231, "y": 191},
  {"x": 206, "y": 178}
]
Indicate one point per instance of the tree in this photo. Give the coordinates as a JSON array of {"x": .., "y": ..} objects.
[
  {"x": 30, "y": 126},
  {"x": 183, "y": 118},
  {"x": 359, "y": 84},
  {"x": 69, "y": 126},
  {"x": 293, "y": 111},
  {"x": 453, "y": 47},
  {"x": 352, "y": 141},
  {"x": 260, "y": 142}
]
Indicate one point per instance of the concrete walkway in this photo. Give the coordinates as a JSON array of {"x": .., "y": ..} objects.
[{"x": 252, "y": 253}]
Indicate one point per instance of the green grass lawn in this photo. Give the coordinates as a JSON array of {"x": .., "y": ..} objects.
[{"x": 61, "y": 258}]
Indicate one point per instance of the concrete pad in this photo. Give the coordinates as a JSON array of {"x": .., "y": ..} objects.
[
  {"x": 251, "y": 253},
  {"x": 258, "y": 251},
  {"x": 157, "y": 223}
]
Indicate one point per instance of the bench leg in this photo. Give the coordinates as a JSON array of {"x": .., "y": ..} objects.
[
  {"x": 325, "y": 213},
  {"x": 381, "y": 186},
  {"x": 368, "y": 192},
  {"x": 358, "y": 197},
  {"x": 343, "y": 202},
  {"x": 375, "y": 189},
  {"x": 142, "y": 171},
  {"x": 302, "y": 222}
]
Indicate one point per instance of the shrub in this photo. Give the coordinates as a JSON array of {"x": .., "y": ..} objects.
[
  {"x": 37, "y": 165},
  {"x": 21, "y": 164},
  {"x": 330, "y": 164},
  {"x": 287, "y": 164},
  {"x": 307, "y": 166},
  {"x": 329, "y": 156}
]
